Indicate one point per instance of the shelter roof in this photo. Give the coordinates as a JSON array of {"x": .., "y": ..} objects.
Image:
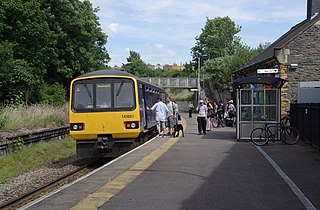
[{"x": 267, "y": 80}]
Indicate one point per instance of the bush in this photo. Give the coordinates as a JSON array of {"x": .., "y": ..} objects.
[
  {"x": 3, "y": 121},
  {"x": 53, "y": 94}
]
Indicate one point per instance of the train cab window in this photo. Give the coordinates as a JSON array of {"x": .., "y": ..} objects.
[
  {"x": 103, "y": 95},
  {"x": 83, "y": 96},
  {"x": 123, "y": 94},
  {"x": 112, "y": 94}
]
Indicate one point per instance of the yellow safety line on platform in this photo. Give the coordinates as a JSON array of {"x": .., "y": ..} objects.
[{"x": 111, "y": 188}]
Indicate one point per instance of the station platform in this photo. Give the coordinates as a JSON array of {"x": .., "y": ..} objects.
[{"x": 212, "y": 171}]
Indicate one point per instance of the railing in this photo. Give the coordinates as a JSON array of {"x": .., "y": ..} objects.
[
  {"x": 172, "y": 82},
  {"x": 7, "y": 145},
  {"x": 306, "y": 118}
]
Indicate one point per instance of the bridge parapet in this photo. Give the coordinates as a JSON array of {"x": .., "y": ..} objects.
[{"x": 172, "y": 82}]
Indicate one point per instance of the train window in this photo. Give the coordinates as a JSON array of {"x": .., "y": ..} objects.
[
  {"x": 103, "y": 95},
  {"x": 123, "y": 94},
  {"x": 83, "y": 96}
]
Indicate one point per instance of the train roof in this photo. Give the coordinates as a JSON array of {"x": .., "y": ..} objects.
[{"x": 107, "y": 72}]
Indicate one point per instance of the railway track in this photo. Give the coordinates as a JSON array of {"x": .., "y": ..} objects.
[
  {"x": 6, "y": 145},
  {"x": 53, "y": 185}
]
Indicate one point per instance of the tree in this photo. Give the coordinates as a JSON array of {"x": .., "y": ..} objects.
[
  {"x": 217, "y": 38},
  {"x": 221, "y": 50},
  {"x": 44, "y": 42},
  {"x": 79, "y": 40},
  {"x": 24, "y": 35},
  {"x": 136, "y": 66}
]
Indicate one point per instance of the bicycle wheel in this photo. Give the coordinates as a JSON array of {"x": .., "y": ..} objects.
[
  {"x": 215, "y": 121},
  {"x": 259, "y": 136},
  {"x": 222, "y": 122},
  {"x": 290, "y": 135}
]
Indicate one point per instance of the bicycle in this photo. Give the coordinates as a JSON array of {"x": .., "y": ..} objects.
[
  {"x": 217, "y": 120},
  {"x": 288, "y": 135},
  {"x": 286, "y": 119}
]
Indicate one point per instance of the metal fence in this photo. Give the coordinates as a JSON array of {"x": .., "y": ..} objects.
[
  {"x": 306, "y": 118},
  {"x": 172, "y": 82}
]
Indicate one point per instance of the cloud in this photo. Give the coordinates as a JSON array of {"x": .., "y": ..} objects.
[
  {"x": 164, "y": 31},
  {"x": 112, "y": 29},
  {"x": 159, "y": 53},
  {"x": 127, "y": 50}
]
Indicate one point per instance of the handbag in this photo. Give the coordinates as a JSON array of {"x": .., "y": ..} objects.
[{"x": 210, "y": 112}]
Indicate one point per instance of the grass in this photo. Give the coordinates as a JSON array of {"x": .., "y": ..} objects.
[
  {"x": 34, "y": 157},
  {"x": 13, "y": 119},
  {"x": 31, "y": 117}
]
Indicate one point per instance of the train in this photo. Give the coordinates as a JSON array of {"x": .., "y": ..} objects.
[{"x": 109, "y": 114}]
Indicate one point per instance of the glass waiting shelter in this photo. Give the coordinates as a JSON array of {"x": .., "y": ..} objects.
[{"x": 258, "y": 102}]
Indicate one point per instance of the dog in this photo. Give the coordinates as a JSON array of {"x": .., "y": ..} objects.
[{"x": 177, "y": 128}]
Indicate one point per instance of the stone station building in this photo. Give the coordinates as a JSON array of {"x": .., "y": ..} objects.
[{"x": 295, "y": 56}]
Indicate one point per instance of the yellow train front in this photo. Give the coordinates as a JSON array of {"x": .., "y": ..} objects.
[{"x": 108, "y": 112}]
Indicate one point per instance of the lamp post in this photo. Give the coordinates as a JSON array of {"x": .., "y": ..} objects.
[{"x": 199, "y": 87}]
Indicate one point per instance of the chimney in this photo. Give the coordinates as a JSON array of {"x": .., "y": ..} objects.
[{"x": 313, "y": 8}]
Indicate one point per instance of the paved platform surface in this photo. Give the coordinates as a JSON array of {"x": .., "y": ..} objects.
[{"x": 212, "y": 171}]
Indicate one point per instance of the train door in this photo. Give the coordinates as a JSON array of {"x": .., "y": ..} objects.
[{"x": 142, "y": 106}]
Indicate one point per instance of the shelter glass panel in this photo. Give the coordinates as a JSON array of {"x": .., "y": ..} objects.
[
  {"x": 246, "y": 113},
  {"x": 258, "y": 97},
  {"x": 271, "y": 96},
  {"x": 246, "y": 97},
  {"x": 271, "y": 113},
  {"x": 258, "y": 113}
]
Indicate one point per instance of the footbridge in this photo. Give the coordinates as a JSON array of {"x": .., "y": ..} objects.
[{"x": 188, "y": 83}]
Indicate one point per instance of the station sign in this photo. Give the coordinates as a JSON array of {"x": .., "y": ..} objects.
[{"x": 267, "y": 71}]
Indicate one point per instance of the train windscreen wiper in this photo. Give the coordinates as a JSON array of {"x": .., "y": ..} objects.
[
  {"x": 120, "y": 87},
  {"x": 87, "y": 89}
]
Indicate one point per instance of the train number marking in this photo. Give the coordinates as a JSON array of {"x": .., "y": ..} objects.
[{"x": 127, "y": 116}]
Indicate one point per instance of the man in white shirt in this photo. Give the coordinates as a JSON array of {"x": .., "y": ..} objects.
[
  {"x": 202, "y": 118},
  {"x": 161, "y": 115}
]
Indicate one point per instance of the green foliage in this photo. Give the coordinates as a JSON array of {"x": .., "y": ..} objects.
[
  {"x": 3, "y": 121},
  {"x": 17, "y": 145},
  {"x": 52, "y": 119},
  {"x": 35, "y": 156},
  {"x": 136, "y": 65},
  {"x": 221, "y": 51},
  {"x": 217, "y": 38},
  {"x": 46, "y": 42},
  {"x": 53, "y": 94}
]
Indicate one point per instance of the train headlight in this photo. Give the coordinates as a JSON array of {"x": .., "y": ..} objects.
[
  {"x": 132, "y": 125},
  {"x": 77, "y": 126}
]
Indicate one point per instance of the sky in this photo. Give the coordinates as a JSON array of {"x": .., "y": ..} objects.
[{"x": 164, "y": 31}]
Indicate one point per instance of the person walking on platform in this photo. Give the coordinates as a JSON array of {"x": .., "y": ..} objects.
[
  {"x": 161, "y": 115},
  {"x": 209, "y": 113},
  {"x": 171, "y": 115},
  {"x": 202, "y": 118},
  {"x": 191, "y": 108}
]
